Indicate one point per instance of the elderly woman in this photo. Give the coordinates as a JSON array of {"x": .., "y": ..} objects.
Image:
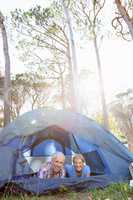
[
  {"x": 53, "y": 169},
  {"x": 79, "y": 168}
]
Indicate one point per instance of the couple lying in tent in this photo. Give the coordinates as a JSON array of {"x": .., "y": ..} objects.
[{"x": 56, "y": 168}]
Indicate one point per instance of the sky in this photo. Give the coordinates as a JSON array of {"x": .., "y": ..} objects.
[
  {"x": 116, "y": 55},
  {"x": 116, "y": 63},
  {"x": 7, "y": 5}
]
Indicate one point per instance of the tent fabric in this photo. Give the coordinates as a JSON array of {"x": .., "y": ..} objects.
[
  {"x": 32, "y": 139},
  {"x": 6, "y": 162},
  {"x": 38, "y": 120},
  {"x": 38, "y": 186}
]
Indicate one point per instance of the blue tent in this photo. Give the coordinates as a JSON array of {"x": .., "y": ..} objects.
[{"x": 34, "y": 137}]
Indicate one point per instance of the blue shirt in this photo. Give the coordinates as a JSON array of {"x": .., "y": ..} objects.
[{"x": 72, "y": 173}]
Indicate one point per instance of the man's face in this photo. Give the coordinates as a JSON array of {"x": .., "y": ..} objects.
[
  {"x": 58, "y": 163},
  {"x": 78, "y": 163}
]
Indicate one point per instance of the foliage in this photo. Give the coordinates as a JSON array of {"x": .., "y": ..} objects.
[
  {"x": 42, "y": 28},
  {"x": 114, "y": 192},
  {"x": 1, "y": 116},
  {"x": 123, "y": 19},
  {"x": 44, "y": 39},
  {"x": 113, "y": 125},
  {"x": 31, "y": 86},
  {"x": 18, "y": 95},
  {"x": 88, "y": 17},
  {"x": 44, "y": 44},
  {"x": 122, "y": 110}
]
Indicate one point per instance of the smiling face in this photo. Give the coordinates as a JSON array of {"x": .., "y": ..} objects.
[
  {"x": 58, "y": 163},
  {"x": 78, "y": 164}
]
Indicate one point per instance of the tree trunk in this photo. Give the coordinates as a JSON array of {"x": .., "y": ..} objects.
[
  {"x": 7, "y": 81},
  {"x": 128, "y": 20},
  {"x": 101, "y": 85},
  {"x": 129, "y": 135},
  {"x": 130, "y": 140},
  {"x": 62, "y": 88},
  {"x": 62, "y": 91},
  {"x": 72, "y": 93},
  {"x": 74, "y": 70}
]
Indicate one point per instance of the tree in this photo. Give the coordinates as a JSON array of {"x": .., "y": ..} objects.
[
  {"x": 29, "y": 87},
  {"x": 46, "y": 29},
  {"x": 7, "y": 81},
  {"x": 73, "y": 60},
  {"x": 18, "y": 95},
  {"x": 114, "y": 126},
  {"x": 123, "y": 22},
  {"x": 87, "y": 16},
  {"x": 37, "y": 89},
  {"x": 1, "y": 116},
  {"x": 122, "y": 110},
  {"x": 97, "y": 7}
]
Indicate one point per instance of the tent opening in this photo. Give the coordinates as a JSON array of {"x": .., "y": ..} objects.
[{"x": 54, "y": 139}]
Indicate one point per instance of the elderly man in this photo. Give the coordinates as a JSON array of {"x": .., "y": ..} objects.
[{"x": 53, "y": 169}]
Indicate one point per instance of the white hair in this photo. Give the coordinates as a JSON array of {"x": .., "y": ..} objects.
[{"x": 58, "y": 154}]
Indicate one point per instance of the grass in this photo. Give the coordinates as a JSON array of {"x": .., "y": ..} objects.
[{"x": 113, "y": 192}]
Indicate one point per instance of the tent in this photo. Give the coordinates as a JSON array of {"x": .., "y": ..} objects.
[{"x": 35, "y": 136}]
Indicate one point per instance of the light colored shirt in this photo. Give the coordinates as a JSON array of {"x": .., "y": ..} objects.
[{"x": 46, "y": 172}]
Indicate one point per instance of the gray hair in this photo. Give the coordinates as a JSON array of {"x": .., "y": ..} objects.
[{"x": 58, "y": 154}]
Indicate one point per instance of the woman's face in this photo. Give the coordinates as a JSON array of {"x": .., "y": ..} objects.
[
  {"x": 78, "y": 164},
  {"x": 58, "y": 163}
]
